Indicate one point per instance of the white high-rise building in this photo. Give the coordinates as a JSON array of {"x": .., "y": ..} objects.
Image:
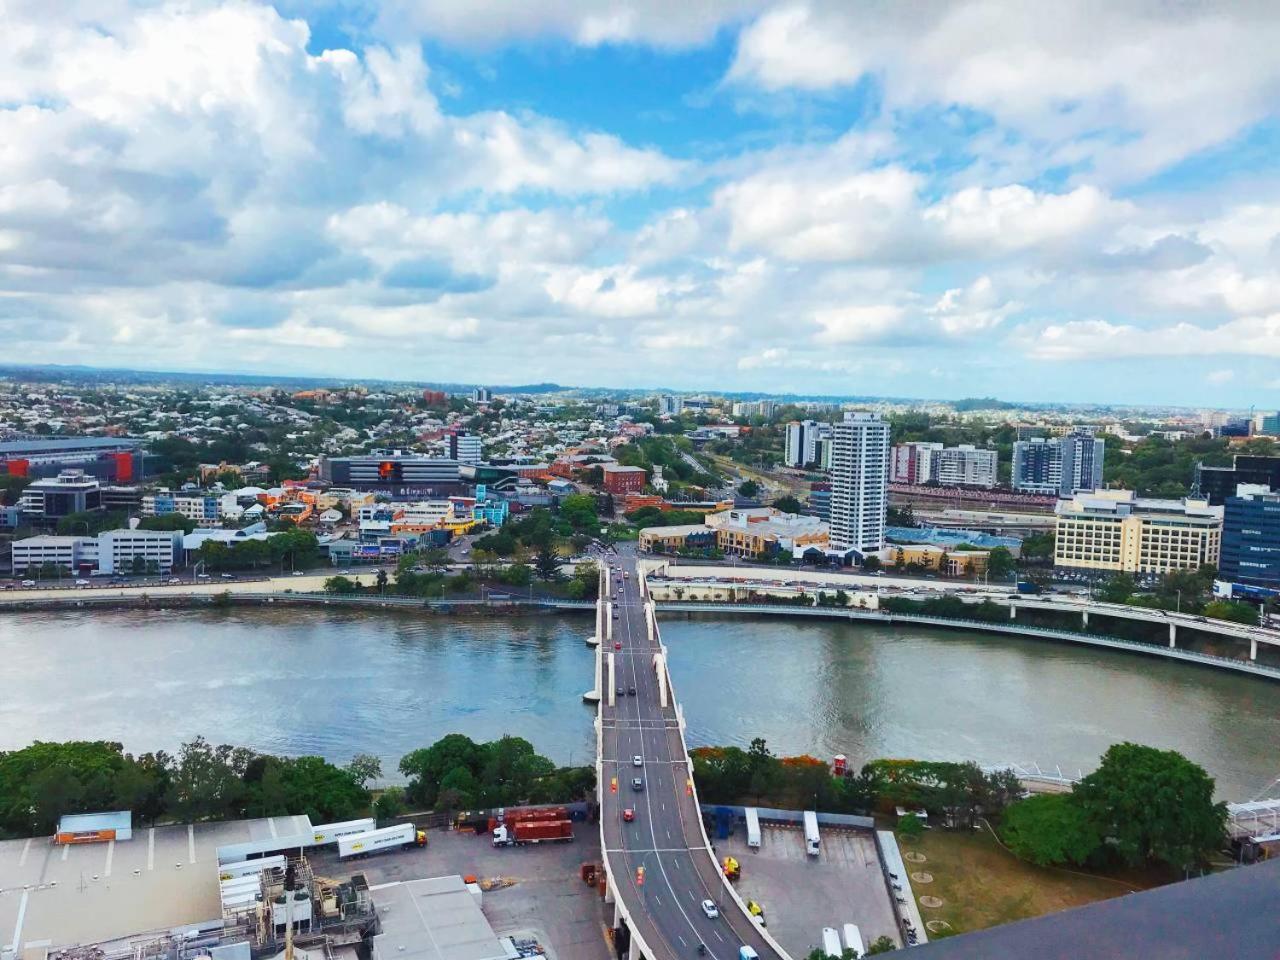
[
  {"x": 859, "y": 482},
  {"x": 963, "y": 466},
  {"x": 802, "y": 439}
]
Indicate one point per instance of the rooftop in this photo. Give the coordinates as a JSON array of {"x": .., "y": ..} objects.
[
  {"x": 435, "y": 919},
  {"x": 10, "y": 448}
]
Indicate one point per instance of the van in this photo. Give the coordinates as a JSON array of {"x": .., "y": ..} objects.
[{"x": 747, "y": 953}]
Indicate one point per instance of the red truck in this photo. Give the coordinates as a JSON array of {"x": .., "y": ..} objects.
[{"x": 532, "y": 831}]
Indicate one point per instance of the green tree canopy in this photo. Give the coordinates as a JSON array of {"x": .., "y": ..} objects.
[
  {"x": 1153, "y": 805},
  {"x": 1050, "y": 829}
]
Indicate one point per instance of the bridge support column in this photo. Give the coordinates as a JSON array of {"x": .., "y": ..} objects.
[
  {"x": 1253, "y": 648},
  {"x": 1013, "y": 611},
  {"x": 1173, "y": 635},
  {"x": 1085, "y": 615}
]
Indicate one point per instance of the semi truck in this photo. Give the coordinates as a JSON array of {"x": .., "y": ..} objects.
[
  {"x": 853, "y": 939},
  {"x": 378, "y": 841},
  {"x": 532, "y": 831},
  {"x": 831, "y": 943},
  {"x": 1028, "y": 586},
  {"x": 812, "y": 839},
  {"x": 513, "y": 815},
  {"x": 250, "y": 868},
  {"x": 753, "y": 828}
]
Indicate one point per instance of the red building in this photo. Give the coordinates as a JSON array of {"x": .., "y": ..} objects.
[
  {"x": 434, "y": 397},
  {"x": 621, "y": 480}
]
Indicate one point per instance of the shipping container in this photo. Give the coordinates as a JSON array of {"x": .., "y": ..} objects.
[
  {"x": 532, "y": 831},
  {"x": 812, "y": 839},
  {"x": 388, "y": 838},
  {"x": 753, "y": 827}
]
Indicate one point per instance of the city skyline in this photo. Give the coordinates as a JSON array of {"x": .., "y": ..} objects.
[{"x": 981, "y": 201}]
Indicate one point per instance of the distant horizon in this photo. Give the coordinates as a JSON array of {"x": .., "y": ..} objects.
[{"x": 267, "y": 379}]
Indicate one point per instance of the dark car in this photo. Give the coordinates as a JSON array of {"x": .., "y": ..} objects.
[
  {"x": 631, "y": 691},
  {"x": 621, "y": 692}
]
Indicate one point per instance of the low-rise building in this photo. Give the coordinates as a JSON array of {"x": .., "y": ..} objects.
[
  {"x": 1115, "y": 530},
  {"x": 673, "y": 539},
  {"x": 927, "y": 556},
  {"x": 620, "y": 480},
  {"x": 139, "y": 551},
  {"x": 763, "y": 531},
  {"x": 76, "y": 554},
  {"x": 204, "y": 509},
  {"x": 71, "y": 491}
]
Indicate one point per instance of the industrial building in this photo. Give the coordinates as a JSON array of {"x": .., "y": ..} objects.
[
  {"x": 859, "y": 482},
  {"x": 1115, "y": 530},
  {"x": 111, "y": 552}
]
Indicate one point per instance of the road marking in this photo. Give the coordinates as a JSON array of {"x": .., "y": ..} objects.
[
  {"x": 111, "y": 852},
  {"x": 17, "y": 927},
  {"x": 191, "y": 842},
  {"x": 151, "y": 849},
  {"x": 650, "y": 849},
  {"x": 66, "y": 849},
  {"x": 26, "y": 847}
]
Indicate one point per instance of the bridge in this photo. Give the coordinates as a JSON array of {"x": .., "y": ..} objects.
[
  {"x": 729, "y": 582},
  {"x": 659, "y": 866}
]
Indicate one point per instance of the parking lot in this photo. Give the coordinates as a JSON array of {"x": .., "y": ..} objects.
[
  {"x": 802, "y": 894},
  {"x": 547, "y": 900}
]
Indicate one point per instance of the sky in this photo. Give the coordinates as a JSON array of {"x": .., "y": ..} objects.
[{"x": 1041, "y": 202}]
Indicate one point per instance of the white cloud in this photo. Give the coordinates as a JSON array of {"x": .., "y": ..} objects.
[
  {"x": 1016, "y": 217},
  {"x": 1218, "y": 377},
  {"x": 1086, "y": 339},
  {"x": 1130, "y": 87},
  {"x": 974, "y": 309},
  {"x": 858, "y": 324}
]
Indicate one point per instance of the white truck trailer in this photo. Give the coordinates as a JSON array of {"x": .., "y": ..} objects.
[
  {"x": 753, "y": 828},
  {"x": 853, "y": 938},
  {"x": 375, "y": 841},
  {"x": 831, "y": 943},
  {"x": 812, "y": 839},
  {"x": 333, "y": 832}
]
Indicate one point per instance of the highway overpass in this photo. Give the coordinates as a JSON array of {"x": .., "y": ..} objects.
[
  {"x": 737, "y": 583},
  {"x": 659, "y": 866}
]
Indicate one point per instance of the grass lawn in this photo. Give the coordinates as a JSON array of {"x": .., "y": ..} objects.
[{"x": 982, "y": 885}]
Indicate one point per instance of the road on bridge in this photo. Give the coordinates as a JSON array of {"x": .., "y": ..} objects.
[{"x": 665, "y": 838}]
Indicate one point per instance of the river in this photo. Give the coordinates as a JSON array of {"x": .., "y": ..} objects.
[{"x": 302, "y": 681}]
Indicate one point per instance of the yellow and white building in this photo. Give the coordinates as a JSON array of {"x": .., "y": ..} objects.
[{"x": 1117, "y": 530}]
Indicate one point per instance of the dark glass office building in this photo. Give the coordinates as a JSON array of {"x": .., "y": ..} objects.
[
  {"x": 1251, "y": 539},
  {"x": 1219, "y": 483}
]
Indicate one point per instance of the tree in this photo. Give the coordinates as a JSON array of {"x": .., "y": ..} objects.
[
  {"x": 580, "y": 510},
  {"x": 1000, "y": 563},
  {"x": 910, "y": 826},
  {"x": 381, "y": 581},
  {"x": 1153, "y": 805},
  {"x": 546, "y": 563},
  {"x": 365, "y": 767},
  {"x": 170, "y": 521},
  {"x": 204, "y": 784},
  {"x": 749, "y": 489},
  {"x": 881, "y": 944},
  {"x": 1233, "y": 610},
  {"x": 389, "y": 805},
  {"x": 1050, "y": 829},
  {"x": 342, "y": 586},
  {"x": 1117, "y": 589},
  {"x": 788, "y": 504},
  {"x": 436, "y": 560},
  {"x": 871, "y": 563},
  {"x": 54, "y": 791}
]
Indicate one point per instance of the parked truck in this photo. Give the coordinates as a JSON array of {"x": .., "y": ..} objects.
[
  {"x": 333, "y": 832},
  {"x": 812, "y": 839},
  {"x": 378, "y": 841},
  {"x": 753, "y": 828},
  {"x": 1028, "y": 586},
  {"x": 532, "y": 831}
]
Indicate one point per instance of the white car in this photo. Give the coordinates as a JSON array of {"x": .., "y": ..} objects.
[
  {"x": 28, "y": 583},
  {"x": 637, "y": 761},
  {"x": 175, "y": 580},
  {"x": 710, "y": 909},
  {"x": 298, "y": 573},
  {"x": 82, "y": 583}
]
